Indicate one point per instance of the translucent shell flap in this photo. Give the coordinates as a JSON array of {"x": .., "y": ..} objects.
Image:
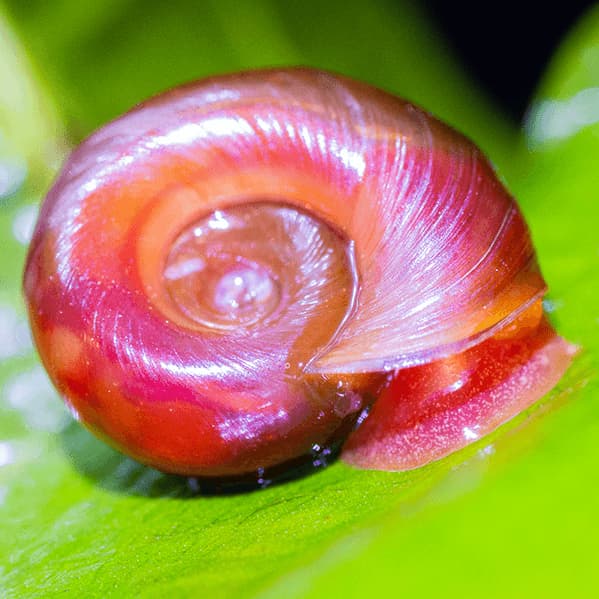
[{"x": 430, "y": 411}]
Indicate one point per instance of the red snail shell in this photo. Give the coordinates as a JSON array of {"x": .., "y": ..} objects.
[{"x": 232, "y": 273}]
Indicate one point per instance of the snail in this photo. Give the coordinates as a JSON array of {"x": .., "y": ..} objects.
[{"x": 254, "y": 267}]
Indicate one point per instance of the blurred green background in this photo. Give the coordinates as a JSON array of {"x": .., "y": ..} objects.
[{"x": 514, "y": 515}]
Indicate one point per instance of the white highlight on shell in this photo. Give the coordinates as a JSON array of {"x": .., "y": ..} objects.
[
  {"x": 470, "y": 434},
  {"x": 219, "y": 221},
  {"x": 455, "y": 386},
  {"x": 241, "y": 288},
  {"x": 184, "y": 269},
  {"x": 220, "y": 126},
  {"x": 181, "y": 136},
  {"x": 245, "y": 425},
  {"x": 352, "y": 159},
  {"x": 552, "y": 120}
]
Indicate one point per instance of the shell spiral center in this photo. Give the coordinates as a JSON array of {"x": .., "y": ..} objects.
[{"x": 251, "y": 264}]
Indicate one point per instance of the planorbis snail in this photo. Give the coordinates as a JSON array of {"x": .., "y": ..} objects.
[{"x": 249, "y": 267}]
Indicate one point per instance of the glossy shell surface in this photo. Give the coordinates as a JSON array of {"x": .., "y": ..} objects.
[{"x": 227, "y": 276}]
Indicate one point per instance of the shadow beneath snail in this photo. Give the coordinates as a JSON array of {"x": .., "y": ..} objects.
[{"x": 115, "y": 472}]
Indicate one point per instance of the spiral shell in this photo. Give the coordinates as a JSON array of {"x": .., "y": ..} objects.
[{"x": 231, "y": 274}]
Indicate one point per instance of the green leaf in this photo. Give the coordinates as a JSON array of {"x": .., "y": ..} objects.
[
  {"x": 513, "y": 515},
  {"x": 30, "y": 141}
]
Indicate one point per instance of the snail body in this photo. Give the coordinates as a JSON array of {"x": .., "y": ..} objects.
[{"x": 235, "y": 271}]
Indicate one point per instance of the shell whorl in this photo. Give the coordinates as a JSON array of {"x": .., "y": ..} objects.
[{"x": 354, "y": 235}]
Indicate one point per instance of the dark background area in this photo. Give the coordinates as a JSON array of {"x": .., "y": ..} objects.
[{"x": 506, "y": 45}]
